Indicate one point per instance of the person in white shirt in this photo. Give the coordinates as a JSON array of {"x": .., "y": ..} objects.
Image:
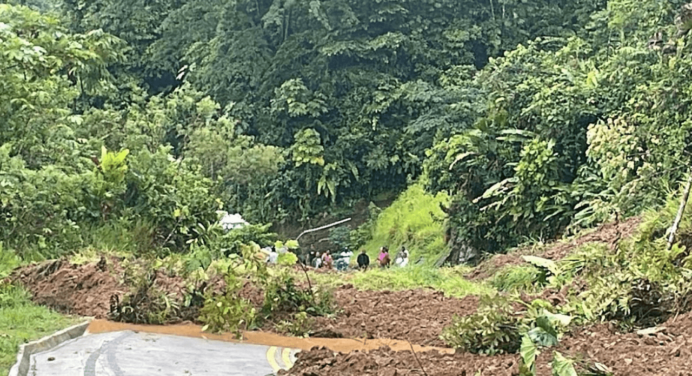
[{"x": 318, "y": 261}]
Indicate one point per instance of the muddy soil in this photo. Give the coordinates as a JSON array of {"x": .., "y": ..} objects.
[
  {"x": 414, "y": 315},
  {"x": 385, "y": 362},
  {"x": 417, "y": 316},
  {"x": 85, "y": 290},
  {"x": 665, "y": 351},
  {"x": 82, "y": 290},
  {"x": 608, "y": 233}
]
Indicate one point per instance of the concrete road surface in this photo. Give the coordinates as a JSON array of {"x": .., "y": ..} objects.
[{"x": 140, "y": 354}]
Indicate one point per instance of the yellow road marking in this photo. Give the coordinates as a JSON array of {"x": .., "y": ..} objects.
[
  {"x": 286, "y": 355},
  {"x": 271, "y": 357}
]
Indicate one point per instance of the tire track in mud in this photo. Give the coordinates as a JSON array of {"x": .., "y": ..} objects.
[{"x": 109, "y": 349}]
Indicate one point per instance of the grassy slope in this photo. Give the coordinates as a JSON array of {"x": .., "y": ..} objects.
[
  {"x": 448, "y": 280},
  {"x": 22, "y": 321},
  {"x": 414, "y": 220}
]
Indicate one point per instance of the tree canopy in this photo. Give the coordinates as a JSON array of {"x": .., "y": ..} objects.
[{"x": 535, "y": 116}]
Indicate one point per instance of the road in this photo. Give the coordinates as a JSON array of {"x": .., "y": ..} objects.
[{"x": 128, "y": 353}]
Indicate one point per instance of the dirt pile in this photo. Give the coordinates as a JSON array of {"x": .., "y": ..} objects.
[
  {"x": 608, "y": 234},
  {"x": 385, "y": 362},
  {"x": 414, "y": 315},
  {"x": 82, "y": 290},
  {"x": 417, "y": 316},
  {"x": 666, "y": 350},
  {"x": 86, "y": 290}
]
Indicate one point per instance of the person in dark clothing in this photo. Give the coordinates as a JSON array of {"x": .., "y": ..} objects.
[{"x": 363, "y": 260}]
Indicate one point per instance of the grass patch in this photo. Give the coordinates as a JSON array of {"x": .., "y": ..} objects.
[
  {"x": 21, "y": 321},
  {"x": 448, "y": 280},
  {"x": 414, "y": 220}
]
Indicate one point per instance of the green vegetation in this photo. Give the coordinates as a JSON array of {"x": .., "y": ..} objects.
[
  {"x": 21, "y": 321},
  {"x": 526, "y": 278},
  {"x": 415, "y": 221},
  {"x": 129, "y": 129},
  {"x": 570, "y": 131},
  {"x": 448, "y": 280},
  {"x": 633, "y": 284}
]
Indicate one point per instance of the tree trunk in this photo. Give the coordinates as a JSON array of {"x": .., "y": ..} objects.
[{"x": 681, "y": 210}]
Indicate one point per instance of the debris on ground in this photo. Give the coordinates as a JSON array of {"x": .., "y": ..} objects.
[
  {"x": 414, "y": 315},
  {"x": 384, "y": 361}
]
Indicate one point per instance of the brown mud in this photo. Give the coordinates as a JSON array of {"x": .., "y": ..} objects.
[
  {"x": 667, "y": 350},
  {"x": 261, "y": 338},
  {"x": 387, "y": 362},
  {"x": 83, "y": 290},
  {"x": 663, "y": 351},
  {"x": 414, "y": 315},
  {"x": 417, "y": 316},
  {"x": 608, "y": 234}
]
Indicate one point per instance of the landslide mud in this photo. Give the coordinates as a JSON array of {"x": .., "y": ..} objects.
[
  {"x": 417, "y": 316},
  {"x": 667, "y": 352},
  {"x": 387, "y": 362},
  {"x": 82, "y": 290}
]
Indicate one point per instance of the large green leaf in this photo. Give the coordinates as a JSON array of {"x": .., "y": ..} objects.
[
  {"x": 562, "y": 366},
  {"x": 528, "y": 352}
]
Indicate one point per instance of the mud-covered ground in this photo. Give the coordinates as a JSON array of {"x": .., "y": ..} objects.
[
  {"x": 665, "y": 351},
  {"x": 385, "y": 362},
  {"x": 416, "y": 315}
]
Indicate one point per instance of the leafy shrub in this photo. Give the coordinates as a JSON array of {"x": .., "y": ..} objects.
[
  {"x": 146, "y": 304},
  {"x": 287, "y": 259},
  {"x": 281, "y": 295},
  {"x": 228, "y": 312},
  {"x": 8, "y": 261},
  {"x": 235, "y": 239},
  {"x": 299, "y": 325},
  {"x": 493, "y": 329}
]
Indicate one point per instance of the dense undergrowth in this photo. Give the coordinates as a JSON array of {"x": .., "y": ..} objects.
[{"x": 414, "y": 220}]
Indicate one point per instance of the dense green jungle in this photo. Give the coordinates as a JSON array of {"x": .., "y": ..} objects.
[{"x": 471, "y": 132}]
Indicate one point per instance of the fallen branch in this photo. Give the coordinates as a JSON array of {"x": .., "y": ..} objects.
[{"x": 417, "y": 360}]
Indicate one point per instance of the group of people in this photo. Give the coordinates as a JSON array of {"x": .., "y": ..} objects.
[
  {"x": 383, "y": 260},
  {"x": 326, "y": 260}
]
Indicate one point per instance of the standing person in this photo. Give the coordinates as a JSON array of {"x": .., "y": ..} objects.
[
  {"x": 384, "y": 257},
  {"x": 318, "y": 261},
  {"x": 363, "y": 260},
  {"x": 327, "y": 260},
  {"x": 404, "y": 257}
]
